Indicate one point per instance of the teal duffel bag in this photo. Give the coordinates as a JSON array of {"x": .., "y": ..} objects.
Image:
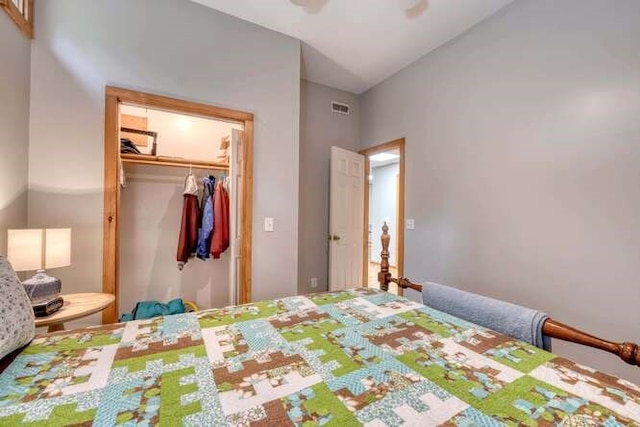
[{"x": 151, "y": 309}]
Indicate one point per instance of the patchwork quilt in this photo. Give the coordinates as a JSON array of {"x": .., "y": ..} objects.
[{"x": 356, "y": 357}]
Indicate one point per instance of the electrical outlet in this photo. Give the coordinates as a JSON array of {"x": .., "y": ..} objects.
[
  {"x": 268, "y": 224},
  {"x": 314, "y": 282},
  {"x": 411, "y": 223}
]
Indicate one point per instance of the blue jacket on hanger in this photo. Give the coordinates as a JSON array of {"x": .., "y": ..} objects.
[{"x": 206, "y": 226}]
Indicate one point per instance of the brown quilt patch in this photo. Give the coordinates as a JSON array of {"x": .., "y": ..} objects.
[
  {"x": 250, "y": 367},
  {"x": 276, "y": 415},
  {"x": 485, "y": 341},
  {"x": 154, "y": 347},
  {"x": 395, "y": 338}
]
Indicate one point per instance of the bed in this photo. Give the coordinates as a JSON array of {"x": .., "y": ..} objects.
[{"x": 360, "y": 356}]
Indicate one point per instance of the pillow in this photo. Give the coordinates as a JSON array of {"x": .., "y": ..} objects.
[{"x": 17, "y": 324}]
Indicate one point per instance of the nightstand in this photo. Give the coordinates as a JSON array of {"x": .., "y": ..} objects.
[{"x": 75, "y": 306}]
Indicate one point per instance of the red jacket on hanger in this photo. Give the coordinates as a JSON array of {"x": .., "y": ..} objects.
[
  {"x": 188, "y": 240},
  {"x": 220, "y": 239}
]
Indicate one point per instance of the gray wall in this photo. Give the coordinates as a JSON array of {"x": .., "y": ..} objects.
[
  {"x": 523, "y": 149},
  {"x": 319, "y": 130},
  {"x": 14, "y": 127},
  {"x": 176, "y": 48},
  {"x": 383, "y": 198}
]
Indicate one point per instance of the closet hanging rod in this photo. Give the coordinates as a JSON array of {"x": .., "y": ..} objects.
[{"x": 172, "y": 162}]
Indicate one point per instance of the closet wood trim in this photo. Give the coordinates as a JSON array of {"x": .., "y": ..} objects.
[
  {"x": 115, "y": 96},
  {"x": 247, "y": 212},
  {"x": 111, "y": 228},
  {"x": 177, "y": 105}
]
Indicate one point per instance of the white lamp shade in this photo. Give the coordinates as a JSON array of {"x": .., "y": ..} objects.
[
  {"x": 58, "y": 247},
  {"x": 24, "y": 249}
]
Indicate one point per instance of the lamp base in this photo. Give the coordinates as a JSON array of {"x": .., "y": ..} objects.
[
  {"x": 42, "y": 287},
  {"x": 48, "y": 307}
]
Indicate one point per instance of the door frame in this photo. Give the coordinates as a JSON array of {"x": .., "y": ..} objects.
[
  {"x": 114, "y": 96},
  {"x": 398, "y": 144}
]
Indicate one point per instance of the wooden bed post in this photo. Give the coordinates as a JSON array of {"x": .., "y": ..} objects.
[{"x": 384, "y": 277}]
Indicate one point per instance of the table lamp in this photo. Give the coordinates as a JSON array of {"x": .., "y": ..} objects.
[{"x": 40, "y": 249}]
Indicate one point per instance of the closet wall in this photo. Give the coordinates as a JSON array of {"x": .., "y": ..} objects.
[{"x": 151, "y": 212}]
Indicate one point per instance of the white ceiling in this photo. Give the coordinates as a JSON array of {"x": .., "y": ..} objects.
[{"x": 355, "y": 44}]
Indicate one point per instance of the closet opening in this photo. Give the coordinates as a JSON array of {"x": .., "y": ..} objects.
[{"x": 177, "y": 208}]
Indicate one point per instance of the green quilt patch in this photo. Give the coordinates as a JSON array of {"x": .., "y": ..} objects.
[
  {"x": 333, "y": 351},
  {"x": 172, "y": 411},
  {"x": 519, "y": 355},
  {"x": 66, "y": 414},
  {"x": 460, "y": 380},
  {"x": 318, "y": 406},
  {"x": 530, "y": 402},
  {"x": 331, "y": 297},
  {"x": 240, "y": 313},
  {"x": 81, "y": 339}
]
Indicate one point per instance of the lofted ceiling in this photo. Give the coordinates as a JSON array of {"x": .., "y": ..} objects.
[{"x": 355, "y": 44}]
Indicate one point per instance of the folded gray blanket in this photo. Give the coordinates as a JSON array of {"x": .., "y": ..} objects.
[{"x": 519, "y": 322}]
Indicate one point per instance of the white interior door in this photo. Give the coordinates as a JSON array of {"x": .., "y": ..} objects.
[
  {"x": 235, "y": 231},
  {"x": 346, "y": 213}
]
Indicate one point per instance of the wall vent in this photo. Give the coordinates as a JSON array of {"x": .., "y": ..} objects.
[{"x": 340, "y": 108}]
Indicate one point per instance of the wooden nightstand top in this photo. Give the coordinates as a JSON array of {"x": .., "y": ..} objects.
[{"x": 77, "y": 306}]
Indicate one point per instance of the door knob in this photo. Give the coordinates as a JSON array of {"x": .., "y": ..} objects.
[{"x": 336, "y": 237}]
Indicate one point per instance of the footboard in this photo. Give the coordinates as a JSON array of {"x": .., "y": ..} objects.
[{"x": 627, "y": 351}]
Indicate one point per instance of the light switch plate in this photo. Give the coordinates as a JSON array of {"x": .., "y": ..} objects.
[
  {"x": 268, "y": 224},
  {"x": 411, "y": 223}
]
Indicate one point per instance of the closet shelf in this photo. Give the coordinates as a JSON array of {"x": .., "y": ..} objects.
[{"x": 171, "y": 161}]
